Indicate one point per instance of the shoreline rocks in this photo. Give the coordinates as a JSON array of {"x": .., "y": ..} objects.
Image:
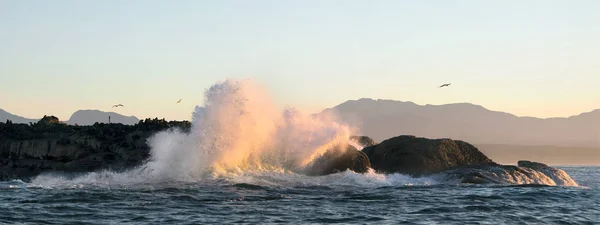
[
  {"x": 457, "y": 161},
  {"x": 52, "y": 146},
  {"x": 418, "y": 156}
]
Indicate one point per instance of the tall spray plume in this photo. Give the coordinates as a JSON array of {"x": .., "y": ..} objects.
[{"x": 240, "y": 129}]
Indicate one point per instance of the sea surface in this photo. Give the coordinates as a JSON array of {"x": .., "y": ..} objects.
[{"x": 273, "y": 197}]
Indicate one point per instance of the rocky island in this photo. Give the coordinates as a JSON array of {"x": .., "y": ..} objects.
[{"x": 27, "y": 150}]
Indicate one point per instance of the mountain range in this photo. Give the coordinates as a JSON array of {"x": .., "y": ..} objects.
[
  {"x": 382, "y": 119},
  {"x": 80, "y": 117},
  {"x": 4, "y": 115},
  {"x": 89, "y": 117}
]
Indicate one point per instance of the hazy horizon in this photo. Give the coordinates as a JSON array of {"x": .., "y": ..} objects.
[
  {"x": 316, "y": 111},
  {"x": 526, "y": 58}
]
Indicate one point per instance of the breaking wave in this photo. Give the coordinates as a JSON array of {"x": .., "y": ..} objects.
[{"x": 239, "y": 130}]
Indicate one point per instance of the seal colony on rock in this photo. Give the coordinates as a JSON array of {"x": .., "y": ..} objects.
[{"x": 51, "y": 146}]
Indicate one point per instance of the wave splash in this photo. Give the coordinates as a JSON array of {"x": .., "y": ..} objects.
[{"x": 238, "y": 130}]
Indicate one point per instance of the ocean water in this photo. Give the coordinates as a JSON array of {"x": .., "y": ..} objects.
[
  {"x": 241, "y": 163},
  {"x": 271, "y": 197}
]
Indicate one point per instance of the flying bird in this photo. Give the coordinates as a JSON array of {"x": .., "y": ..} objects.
[
  {"x": 445, "y": 85},
  {"x": 179, "y": 100},
  {"x": 121, "y": 105}
]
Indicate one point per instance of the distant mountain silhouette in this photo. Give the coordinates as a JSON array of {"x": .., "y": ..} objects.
[
  {"x": 382, "y": 119},
  {"x": 89, "y": 117},
  {"x": 4, "y": 115}
]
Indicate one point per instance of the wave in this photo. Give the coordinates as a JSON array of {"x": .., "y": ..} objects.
[
  {"x": 13, "y": 184},
  {"x": 510, "y": 175},
  {"x": 107, "y": 179},
  {"x": 240, "y": 129},
  {"x": 371, "y": 179}
]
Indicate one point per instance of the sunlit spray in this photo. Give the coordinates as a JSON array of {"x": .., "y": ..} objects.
[{"x": 239, "y": 129}]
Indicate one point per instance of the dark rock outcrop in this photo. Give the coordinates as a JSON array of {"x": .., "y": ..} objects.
[
  {"x": 421, "y": 156},
  {"x": 338, "y": 159},
  {"x": 532, "y": 165},
  {"x": 48, "y": 120},
  {"x": 452, "y": 161},
  {"x": 363, "y": 141},
  {"x": 49, "y": 145}
]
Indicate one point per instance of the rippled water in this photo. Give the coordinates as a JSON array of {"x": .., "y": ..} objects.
[{"x": 291, "y": 198}]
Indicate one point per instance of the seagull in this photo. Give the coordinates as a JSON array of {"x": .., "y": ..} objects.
[
  {"x": 445, "y": 85},
  {"x": 118, "y": 105},
  {"x": 179, "y": 100}
]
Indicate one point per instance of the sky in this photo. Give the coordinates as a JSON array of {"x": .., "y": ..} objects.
[{"x": 528, "y": 58}]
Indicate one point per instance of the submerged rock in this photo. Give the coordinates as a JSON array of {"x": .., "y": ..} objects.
[
  {"x": 509, "y": 174},
  {"x": 421, "y": 156},
  {"x": 532, "y": 165},
  {"x": 338, "y": 159}
]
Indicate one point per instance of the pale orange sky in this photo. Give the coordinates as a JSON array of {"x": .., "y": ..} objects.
[{"x": 535, "y": 58}]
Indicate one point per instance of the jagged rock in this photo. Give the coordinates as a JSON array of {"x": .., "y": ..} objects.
[
  {"x": 338, "y": 159},
  {"x": 421, "y": 156}
]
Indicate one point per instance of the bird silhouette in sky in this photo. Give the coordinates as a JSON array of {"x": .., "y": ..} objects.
[
  {"x": 119, "y": 105},
  {"x": 179, "y": 100},
  {"x": 445, "y": 85}
]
